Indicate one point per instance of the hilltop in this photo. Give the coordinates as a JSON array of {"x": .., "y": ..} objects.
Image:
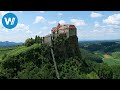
[
  {"x": 34, "y": 61},
  {"x": 55, "y": 56}
]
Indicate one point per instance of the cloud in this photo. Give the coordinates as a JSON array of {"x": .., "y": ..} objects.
[
  {"x": 62, "y": 22},
  {"x": 97, "y": 34},
  {"x": 39, "y": 19},
  {"x": 60, "y": 14},
  {"x": 95, "y": 15},
  {"x": 42, "y": 11},
  {"x": 96, "y": 24},
  {"x": 52, "y": 22},
  {"x": 3, "y": 12},
  {"x": 78, "y": 22},
  {"x": 114, "y": 26},
  {"x": 113, "y": 19},
  {"x": 4, "y": 30},
  {"x": 19, "y": 27},
  {"x": 40, "y": 32},
  {"x": 28, "y": 31},
  {"x": 49, "y": 32},
  {"x": 107, "y": 29}
]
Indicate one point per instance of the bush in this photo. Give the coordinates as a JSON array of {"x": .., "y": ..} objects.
[
  {"x": 104, "y": 72},
  {"x": 116, "y": 71},
  {"x": 29, "y": 42},
  {"x": 116, "y": 55}
]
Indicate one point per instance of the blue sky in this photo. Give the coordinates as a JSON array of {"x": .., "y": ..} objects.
[{"x": 91, "y": 25}]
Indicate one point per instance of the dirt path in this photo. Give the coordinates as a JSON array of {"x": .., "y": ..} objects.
[{"x": 107, "y": 56}]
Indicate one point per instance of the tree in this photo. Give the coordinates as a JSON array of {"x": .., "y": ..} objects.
[
  {"x": 38, "y": 39},
  {"x": 29, "y": 42},
  {"x": 104, "y": 71},
  {"x": 92, "y": 75},
  {"x": 116, "y": 71}
]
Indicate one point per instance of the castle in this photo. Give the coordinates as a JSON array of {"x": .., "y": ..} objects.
[{"x": 66, "y": 30}]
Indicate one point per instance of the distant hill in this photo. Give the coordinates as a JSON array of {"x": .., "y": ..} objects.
[
  {"x": 98, "y": 41},
  {"x": 101, "y": 46},
  {"x": 9, "y": 44}
]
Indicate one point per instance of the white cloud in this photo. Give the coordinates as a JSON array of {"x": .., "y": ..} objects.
[
  {"x": 28, "y": 31},
  {"x": 78, "y": 22},
  {"x": 5, "y": 30},
  {"x": 42, "y": 11},
  {"x": 114, "y": 26},
  {"x": 94, "y": 15},
  {"x": 60, "y": 14},
  {"x": 99, "y": 31},
  {"x": 62, "y": 22},
  {"x": 3, "y": 12},
  {"x": 22, "y": 27},
  {"x": 111, "y": 30},
  {"x": 96, "y": 24},
  {"x": 97, "y": 34},
  {"x": 40, "y": 32},
  {"x": 52, "y": 22},
  {"x": 106, "y": 29},
  {"x": 113, "y": 19},
  {"x": 39, "y": 19},
  {"x": 49, "y": 32},
  {"x": 19, "y": 27}
]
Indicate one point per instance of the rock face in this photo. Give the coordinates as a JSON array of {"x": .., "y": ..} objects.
[
  {"x": 73, "y": 42},
  {"x": 65, "y": 48}
]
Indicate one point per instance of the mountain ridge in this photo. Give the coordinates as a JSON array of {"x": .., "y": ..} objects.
[{"x": 9, "y": 44}]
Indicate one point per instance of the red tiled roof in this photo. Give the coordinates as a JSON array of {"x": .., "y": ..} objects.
[
  {"x": 61, "y": 27},
  {"x": 72, "y": 26}
]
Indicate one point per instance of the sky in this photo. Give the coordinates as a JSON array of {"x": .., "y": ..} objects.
[{"x": 91, "y": 25}]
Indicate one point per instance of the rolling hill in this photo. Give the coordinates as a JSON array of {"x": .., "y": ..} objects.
[{"x": 9, "y": 44}]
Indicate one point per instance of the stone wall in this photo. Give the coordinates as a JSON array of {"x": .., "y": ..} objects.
[
  {"x": 72, "y": 32},
  {"x": 48, "y": 39},
  {"x": 64, "y": 31}
]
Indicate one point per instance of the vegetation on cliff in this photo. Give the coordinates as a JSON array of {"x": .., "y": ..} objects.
[{"x": 33, "y": 60}]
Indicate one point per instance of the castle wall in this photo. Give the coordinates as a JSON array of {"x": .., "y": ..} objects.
[
  {"x": 48, "y": 39},
  {"x": 66, "y": 30},
  {"x": 72, "y": 32}
]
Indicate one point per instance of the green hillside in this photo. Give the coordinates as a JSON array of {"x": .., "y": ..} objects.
[
  {"x": 113, "y": 59},
  {"x": 4, "y": 51},
  {"x": 34, "y": 60}
]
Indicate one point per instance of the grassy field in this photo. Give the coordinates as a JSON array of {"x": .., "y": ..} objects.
[
  {"x": 110, "y": 60},
  {"x": 16, "y": 50},
  {"x": 8, "y": 51},
  {"x": 5, "y": 51}
]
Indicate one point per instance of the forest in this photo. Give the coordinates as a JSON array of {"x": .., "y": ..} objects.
[{"x": 33, "y": 60}]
